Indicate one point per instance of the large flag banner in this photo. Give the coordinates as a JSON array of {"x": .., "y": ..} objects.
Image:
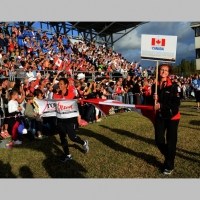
[
  {"x": 158, "y": 47},
  {"x": 105, "y": 105},
  {"x": 58, "y": 108}
]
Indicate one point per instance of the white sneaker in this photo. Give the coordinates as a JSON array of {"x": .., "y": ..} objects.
[
  {"x": 86, "y": 147},
  {"x": 98, "y": 120},
  {"x": 17, "y": 142}
]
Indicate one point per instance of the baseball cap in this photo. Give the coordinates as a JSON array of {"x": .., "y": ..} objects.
[
  {"x": 31, "y": 79},
  {"x": 70, "y": 79},
  {"x": 20, "y": 67},
  {"x": 80, "y": 76}
]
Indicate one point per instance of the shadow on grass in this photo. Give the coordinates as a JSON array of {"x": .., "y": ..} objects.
[
  {"x": 188, "y": 152},
  {"x": 131, "y": 135},
  {"x": 117, "y": 147},
  {"x": 25, "y": 172},
  {"x": 151, "y": 141},
  {"x": 52, "y": 164},
  {"x": 195, "y": 122},
  {"x": 5, "y": 171},
  {"x": 187, "y": 158},
  {"x": 189, "y": 127},
  {"x": 187, "y": 114}
]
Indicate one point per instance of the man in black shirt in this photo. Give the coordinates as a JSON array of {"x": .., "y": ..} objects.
[{"x": 2, "y": 42}]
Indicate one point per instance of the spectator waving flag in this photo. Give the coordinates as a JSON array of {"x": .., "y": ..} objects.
[
  {"x": 58, "y": 62},
  {"x": 105, "y": 105}
]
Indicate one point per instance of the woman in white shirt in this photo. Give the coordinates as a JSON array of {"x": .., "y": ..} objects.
[{"x": 21, "y": 96}]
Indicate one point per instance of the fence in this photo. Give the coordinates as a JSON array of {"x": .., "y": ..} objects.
[{"x": 21, "y": 74}]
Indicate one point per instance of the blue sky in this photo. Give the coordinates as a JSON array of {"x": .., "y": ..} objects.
[{"x": 130, "y": 44}]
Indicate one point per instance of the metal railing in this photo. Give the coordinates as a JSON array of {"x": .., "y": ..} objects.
[{"x": 21, "y": 74}]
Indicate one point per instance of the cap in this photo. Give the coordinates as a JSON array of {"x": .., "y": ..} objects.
[
  {"x": 21, "y": 67},
  {"x": 70, "y": 79},
  {"x": 31, "y": 79},
  {"x": 81, "y": 76}
]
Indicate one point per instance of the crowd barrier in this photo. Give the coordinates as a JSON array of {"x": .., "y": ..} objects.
[{"x": 21, "y": 74}]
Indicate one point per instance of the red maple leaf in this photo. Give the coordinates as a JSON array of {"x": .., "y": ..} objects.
[{"x": 158, "y": 41}]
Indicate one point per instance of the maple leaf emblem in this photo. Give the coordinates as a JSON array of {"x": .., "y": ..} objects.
[{"x": 158, "y": 41}]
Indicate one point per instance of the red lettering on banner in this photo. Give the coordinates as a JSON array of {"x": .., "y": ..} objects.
[{"x": 62, "y": 107}]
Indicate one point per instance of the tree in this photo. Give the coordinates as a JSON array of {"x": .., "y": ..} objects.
[{"x": 192, "y": 66}]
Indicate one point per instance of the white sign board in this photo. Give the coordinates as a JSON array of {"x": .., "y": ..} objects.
[
  {"x": 158, "y": 47},
  {"x": 57, "y": 107}
]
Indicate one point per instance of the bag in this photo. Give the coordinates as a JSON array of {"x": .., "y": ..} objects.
[{"x": 21, "y": 128}]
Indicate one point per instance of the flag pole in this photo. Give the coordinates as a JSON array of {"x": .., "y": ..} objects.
[{"x": 156, "y": 85}]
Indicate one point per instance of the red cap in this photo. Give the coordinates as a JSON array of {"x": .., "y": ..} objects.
[{"x": 70, "y": 79}]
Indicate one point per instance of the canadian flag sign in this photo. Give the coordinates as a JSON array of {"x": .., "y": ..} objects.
[
  {"x": 158, "y": 47},
  {"x": 157, "y": 42}
]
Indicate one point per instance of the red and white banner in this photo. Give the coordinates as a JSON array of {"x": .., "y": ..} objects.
[
  {"x": 62, "y": 108},
  {"x": 58, "y": 108},
  {"x": 105, "y": 105}
]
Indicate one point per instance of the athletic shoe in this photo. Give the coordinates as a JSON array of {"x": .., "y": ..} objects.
[
  {"x": 66, "y": 158},
  {"x": 167, "y": 171},
  {"x": 98, "y": 120},
  {"x": 42, "y": 137},
  {"x": 17, "y": 142},
  {"x": 86, "y": 147}
]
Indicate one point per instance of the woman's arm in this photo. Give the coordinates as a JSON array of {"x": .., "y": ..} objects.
[{"x": 20, "y": 100}]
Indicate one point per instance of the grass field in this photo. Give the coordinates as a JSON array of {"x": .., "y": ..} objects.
[{"x": 121, "y": 146}]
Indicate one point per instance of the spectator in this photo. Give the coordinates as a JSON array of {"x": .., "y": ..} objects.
[
  {"x": 196, "y": 88},
  {"x": 14, "y": 109},
  {"x": 2, "y": 42},
  {"x": 5, "y": 29}
]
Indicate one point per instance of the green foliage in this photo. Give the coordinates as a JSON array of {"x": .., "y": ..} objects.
[{"x": 185, "y": 68}]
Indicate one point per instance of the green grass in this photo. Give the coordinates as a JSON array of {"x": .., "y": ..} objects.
[{"x": 121, "y": 146}]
